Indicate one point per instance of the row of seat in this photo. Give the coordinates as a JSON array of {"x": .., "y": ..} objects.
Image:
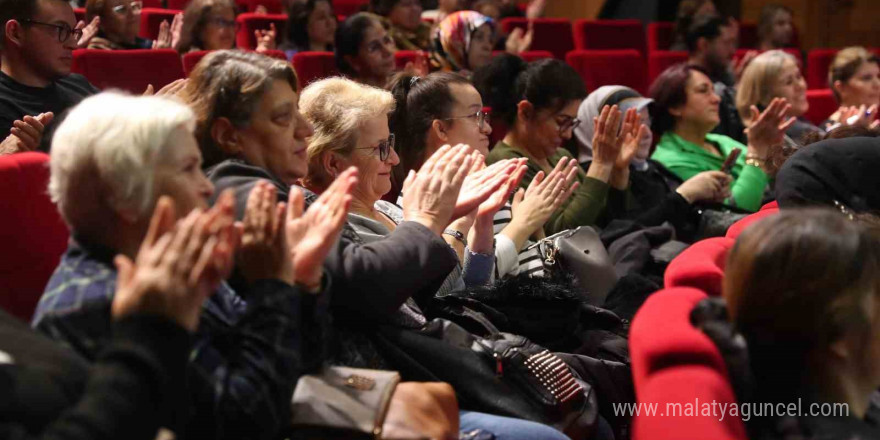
[
  {"x": 342, "y": 7},
  {"x": 676, "y": 364}
]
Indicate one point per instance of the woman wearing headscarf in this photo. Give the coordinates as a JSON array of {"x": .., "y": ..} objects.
[
  {"x": 658, "y": 194},
  {"x": 464, "y": 40}
]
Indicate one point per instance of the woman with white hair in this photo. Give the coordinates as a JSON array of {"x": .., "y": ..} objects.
[{"x": 114, "y": 157}]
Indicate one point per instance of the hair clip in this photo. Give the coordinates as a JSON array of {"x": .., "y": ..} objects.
[
  {"x": 844, "y": 210},
  {"x": 413, "y": 81}
]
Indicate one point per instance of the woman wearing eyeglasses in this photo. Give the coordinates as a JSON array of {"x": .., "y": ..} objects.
[
  {"x": 210, "y": 25},
  {"x": 539, "y": 102},
  {"x": 120, "y": 23}
]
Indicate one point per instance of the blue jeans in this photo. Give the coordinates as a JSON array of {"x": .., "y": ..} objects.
[{"x": 508, "y": 428}]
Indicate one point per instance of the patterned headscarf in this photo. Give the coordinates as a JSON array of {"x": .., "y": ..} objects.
[{"x": 451, "y": 40}]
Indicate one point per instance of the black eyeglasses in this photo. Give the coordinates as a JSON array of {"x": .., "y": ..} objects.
[
  {"x": 385, "y": 146},
  {"x": 567, "y": 122},
  {"x": 64, "y": 30},
  {"x": 223, "y": 23},
  {"x": 481, "y": 117}
]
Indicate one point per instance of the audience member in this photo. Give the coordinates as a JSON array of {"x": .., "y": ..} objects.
[
  {"x": 840, "y": 132},
  {"x": 114, "y": 156},
  {"x": 405, "y": 19},
  {"x": 688, "y": 11},
  {"x": 802, "y": 288},
  {"x": 311, "y": 27},
  {"x": 444, "y": 9},
  {"x": 775, "y": 74},
  {"x": 462, "y": 42},
  {"x": 120, "y": 22},
  {"x": 539, "y": 101},
  {"x": 685, "y": 112},
  {"x": 365, "y": 49},
  {"x": 854, "y": 78},
  {"x": 36, "y": 52},
  {"x": 658, "y": 195},
  {"x": 775, "y": 28},
  {"x": 211, "y": 25}
]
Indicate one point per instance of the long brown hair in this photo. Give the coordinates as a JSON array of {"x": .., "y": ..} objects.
[{"x": 230, "y": 84}]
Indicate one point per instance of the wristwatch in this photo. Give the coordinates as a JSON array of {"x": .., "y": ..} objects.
[{"x": 456, "y": 235}]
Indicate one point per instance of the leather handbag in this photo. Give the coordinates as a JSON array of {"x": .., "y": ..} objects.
[{"x": 581, "y": 253}]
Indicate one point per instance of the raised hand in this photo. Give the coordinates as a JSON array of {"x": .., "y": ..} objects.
[
  {"x": 546, "y": 193},
  {"x": 177, "y": 265},
  {"x": 768, "y": 128},
  {"x": 265, "y": 38},
  {"x": 176, "y": 30},
  {"x": 89, "y": 32},
  {"x": 263, "y": 253},
  {"x": 519, "y": 41},
  {"x": 311, "y": 236},
  {"x": 163, "y": 40},
  {"x": 481, "y": 182},
  {"x": 632, "y": 131},
  {"x": 430, "y": 195},
  {"x": 26, "y": 134},
  {"x": 708, "y": 186},
  {"x": 607, "y": 140}
]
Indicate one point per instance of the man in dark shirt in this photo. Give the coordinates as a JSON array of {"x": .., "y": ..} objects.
[{"x": 36, "y": 52}]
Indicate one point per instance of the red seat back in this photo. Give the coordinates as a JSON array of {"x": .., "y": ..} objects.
[
  {"x": 736, "y": 229},
  {"x": 129, "y": 70},
  {"x": 660, "y": 60},
  {"x": 675, "y": 391},
  {"x": 272, "y": 6},
  {"x": 661, "y": 336},
  {"x": 609, "y": 34},
  {"x": 660, "y": 35},
  {"x": 609, "y": 67},
  {"x": 177, "y": 4},
  {"x": 151, "y": 19},
  {"x": 80, "y": 14},
  {"x": 248, "y": 23},
  {"x": 822, "y": 105},
  {"x": 818, "y": 62},
  {"x": 551, "y": 34},
  {"x": 152, "y": 3},
  {"x": 401, "y": 57},
  {"x": 191, "y": 59},
  {"x": 748, "y": 35},
  {"x": 349, "y": 7},
  {"x": 796, "y": 53},
  {"x": 33, "y": 235},
  {"x": 311, "y": 66},
  {"x": 700, "y": 266}
]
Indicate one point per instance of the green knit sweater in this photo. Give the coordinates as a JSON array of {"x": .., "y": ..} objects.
[
  {"x": 585, "y": 204},
  {"x": 686, "y": 159}
]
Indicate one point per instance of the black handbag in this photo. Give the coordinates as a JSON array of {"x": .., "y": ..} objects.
[{"x": 581, "y": 253}]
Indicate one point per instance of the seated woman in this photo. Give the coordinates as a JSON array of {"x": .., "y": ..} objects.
[
  {"x": 802, "y": 288},
  {"x": 775, "y": 28},
  {"x": 311, "y": 27},
  {"x": 211, "y": 25},
  {"x": 658, "y": 195},
  {"x": 462, "y": 42},
  {"x": 365, "y": 50},
  {"x": 120, "y": 22},
  {"x": 685, "y": 112},
  {"x": 444, "y": 108},
  {"x": 539, "y": 101},
  {"x": 106, "y": 177},
  {"x": 405, "y": 18},
  {"x": 854, "y": 78},
  {"x": 775, "y": 74}
]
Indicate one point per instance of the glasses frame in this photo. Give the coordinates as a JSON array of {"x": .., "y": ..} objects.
[
  {"x": 481, "y": 117},
  {"x": 385, "y": 146},
  {"x": 568, "y": 124},
  {"x": 61, "y": 30},
  {"x": 123, "y": 8}
]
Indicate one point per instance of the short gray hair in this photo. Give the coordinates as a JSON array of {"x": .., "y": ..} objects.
[{"x": 104, "y": 155}]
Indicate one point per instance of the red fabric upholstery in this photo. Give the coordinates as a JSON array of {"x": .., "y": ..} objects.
[
  {"x": 32, "y": 232},
  {"x": 609, "y": 67},
  {"x": 660, "y": 35},
  {"x": 767, "y": 210},
  {"x": 818, "y": 61},
  {"x": 700, "y": 266},
  {"x": 151, "y": 19},
  {"x": 248, "y": 23},
  {"x": 401, "y": 57},
  {"x": 191, "y": 59},
  {"x": 551, "y": 34},
  {"x": 822, "y": 105},
  {"x": 748, "y": 35},
  {"x": 311, "y": 66},
  {"x": 349, "y": 7},
  {"x": 272, "y": 6},
  {"x": 177, "y": 4},
  {"x": 152, "y": 3},
  {"x": 609, "y": 34},
  {"x": 660, "y": 60},
  {"x": 661, "y": 337},
  {"x": 676, "y": 389},
  {"x": 529, "y": 55},
  {"x": 129, "y": 70},
  {"x": 80, "y": 14}
]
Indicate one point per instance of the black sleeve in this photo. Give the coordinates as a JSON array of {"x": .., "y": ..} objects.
[
  {"x": 132, "y": 381},
  {"x": 672, "y": 208}
]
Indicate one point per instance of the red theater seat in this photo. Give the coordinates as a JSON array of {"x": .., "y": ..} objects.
[
  {"x": 748, "y": 35},
  {"x": 272, "y": 6},
  {"x": 80, "y": 14},
  {"x": 818, "y": 61},
  {"x": 660, "y": 60},
  {"x": 129, "y": 70},
  {"x": 700, "y": 266},
  {"x": 151, "y": 19},
  {"x": 349, "y": 7},
  {"x": 529, "y": 55},
  {"x": 660, "y": 35},
  {"x": 311, "y": 66},
  {"x": 192, "y": 58},
  {"x": 401, "y": 57},
  {"x": 609, "y": 67},
  {"x": 248, "y": 23},
  {"x": 796, "y": 53},
  {"x": 609, "y": 34},
  {"x": 177, "y": 4},
  {"x": 736, "y": 229},
  {"x": 33, "y": 235},
  {"x": 551, "y": 34},
  {"x": 822, "y": 105}
]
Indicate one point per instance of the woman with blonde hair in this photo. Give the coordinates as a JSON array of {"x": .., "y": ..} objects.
[{"x": 854, "y": 78}]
